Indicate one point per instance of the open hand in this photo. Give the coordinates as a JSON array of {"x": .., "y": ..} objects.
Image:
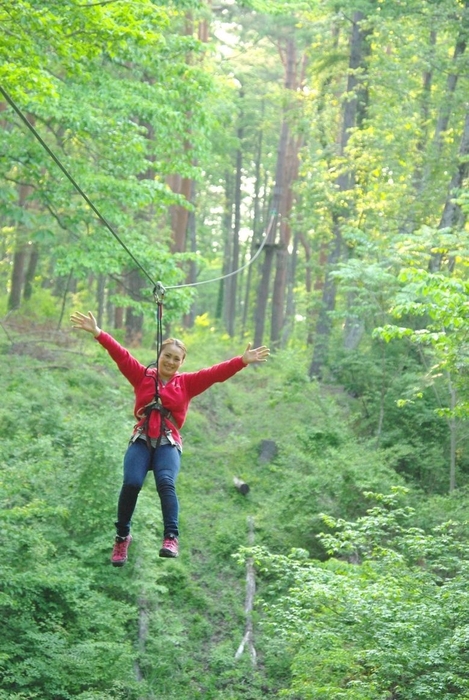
[
  {"x": 256, "y": 354},
  {"x": 85, "y": 322}
]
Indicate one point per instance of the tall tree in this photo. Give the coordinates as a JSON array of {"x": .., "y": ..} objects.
[{"x": 353, "y": 113}]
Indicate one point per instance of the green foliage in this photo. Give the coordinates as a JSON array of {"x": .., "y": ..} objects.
[
  {"x": 375, "y": 607},
  {"x": 391, "y": 622},
  {"x": 441, "y": 301},
  {"x": 398, "y": 407},
  {"x": 64, "y": 635},
  {"x": 107, "y": 88},
  {"x": 79, "y": 628}
]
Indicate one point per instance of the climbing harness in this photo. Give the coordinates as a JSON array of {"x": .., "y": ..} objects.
[{"x": 155, "y": 404}]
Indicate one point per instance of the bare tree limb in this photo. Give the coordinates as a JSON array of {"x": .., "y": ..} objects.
[{"x": 248, "y": 639}]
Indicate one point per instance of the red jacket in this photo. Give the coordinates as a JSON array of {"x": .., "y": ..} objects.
[{"x": 175, "y": 395}]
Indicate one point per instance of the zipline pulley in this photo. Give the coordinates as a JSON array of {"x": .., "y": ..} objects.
[{"x": 158, "y": 292}]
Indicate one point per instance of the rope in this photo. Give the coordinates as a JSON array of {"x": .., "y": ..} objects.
[{"x": 235, "y": 272}]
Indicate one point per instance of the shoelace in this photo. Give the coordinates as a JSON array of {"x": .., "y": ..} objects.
[
  {"x": 170, "y": 543},
  {"x": 120, "y": 548}
]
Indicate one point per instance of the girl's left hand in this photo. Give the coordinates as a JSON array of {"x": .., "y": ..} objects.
[{"x": 256, "y": 354}]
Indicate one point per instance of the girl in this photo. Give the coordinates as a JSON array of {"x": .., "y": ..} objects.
[{"x": 162, "y": 398}]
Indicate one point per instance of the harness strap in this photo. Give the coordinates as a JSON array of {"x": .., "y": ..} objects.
[{"x": 156, "y": 405}]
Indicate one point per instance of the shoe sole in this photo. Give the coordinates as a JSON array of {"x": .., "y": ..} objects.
[{"x": 168, "y": 554}]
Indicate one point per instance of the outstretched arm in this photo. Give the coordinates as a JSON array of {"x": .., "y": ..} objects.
[
  {"x": 256, "y": 354},
  {"x": 85, "y": 323},
  {"x": 130, "y": 367}
]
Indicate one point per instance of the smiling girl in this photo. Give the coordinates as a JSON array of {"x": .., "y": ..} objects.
[{"x": 162, "y": 398}]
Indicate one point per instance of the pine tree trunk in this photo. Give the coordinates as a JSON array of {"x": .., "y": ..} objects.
[{"x": 119, "y": 310}]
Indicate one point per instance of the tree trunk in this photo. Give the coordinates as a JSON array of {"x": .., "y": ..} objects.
[
  {"x": 354, "y": 326},
  {"x": 278, "y": 294},
  {"x": 452, "y": 215},
  {"x": 294, "y": 78},
  {"x": 203, "y": 30},
  {"x": 290, "y": 297},
  {"x": 100, "y": 297},
  {"x": 232, "y": 282},
  {"x": 248, "y": 638},
  {"x": 189, "y": 318},
  {"x": 421, "y": 173},
  {"x": 17, "y": 278},
  {"x": 452, "y": 78},
  {"x": 263, "y": 293},
  {"x": 281, "y": 207},
  {"x": 31, "y": 271},
  {"x": 227, "y": 226},
  {"x": 119, "y": 310},
  {"x": 453, "y": 438},
  {"x": 64, "y": 299},
  {"x": 324, "y": 323},
  {"x": 255, "y": 223},
  {"x": 133, "y": 320},
  {"x": 18, "y": 275},
  {"x": 283, "y": 252},
  {"x": 355, "y": 102},
  {"x": 179, "y": 214}
]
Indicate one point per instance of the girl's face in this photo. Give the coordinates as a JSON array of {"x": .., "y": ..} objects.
[{"x": 171, "y": 358}]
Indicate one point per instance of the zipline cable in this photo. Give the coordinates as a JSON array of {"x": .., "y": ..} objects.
[
  {"x": 235, "y": 272},
  {"x": 74, "y": 183},
  {"x": 158, "y": 289}
]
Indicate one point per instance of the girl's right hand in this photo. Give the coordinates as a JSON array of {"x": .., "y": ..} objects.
[{"x": 85, "y": 322}]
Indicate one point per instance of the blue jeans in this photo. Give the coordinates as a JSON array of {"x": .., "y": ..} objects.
[{"x": 164, "y": 462}]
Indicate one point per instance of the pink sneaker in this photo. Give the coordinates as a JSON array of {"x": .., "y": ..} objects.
[
  {"x": 170, "y": 547},
  {"x": 119, "y": 551}
]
